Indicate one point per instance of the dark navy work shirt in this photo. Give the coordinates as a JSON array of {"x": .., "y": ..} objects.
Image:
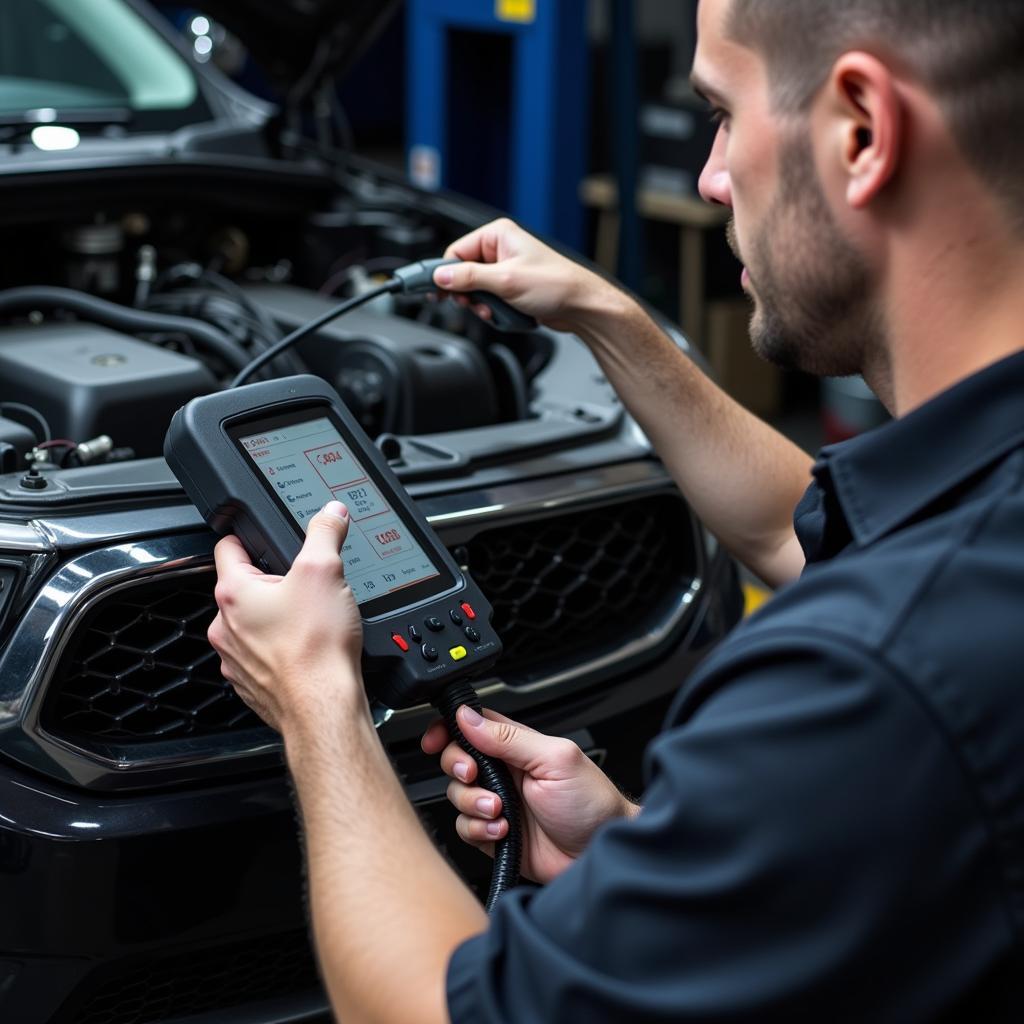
[{"x": 833, "y": 828}]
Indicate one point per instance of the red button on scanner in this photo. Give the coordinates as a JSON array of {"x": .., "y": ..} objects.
[
  {"x": 468, "y": 609},
  {"x": 399, "y": 642}
]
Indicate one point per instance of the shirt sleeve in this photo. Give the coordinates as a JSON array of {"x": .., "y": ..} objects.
[{"x": 809, "y": 849}]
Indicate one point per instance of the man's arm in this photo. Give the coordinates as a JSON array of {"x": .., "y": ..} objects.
[
  {"x": 742, "y": 477},
  {"x": 387, "y": 910}
]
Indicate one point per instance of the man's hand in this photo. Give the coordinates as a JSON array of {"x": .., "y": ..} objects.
[
  {"x": 742, "y": 478},
  {"x": 564, "y": 795},
  {"x": 291, "y": 645},
  {"x": 509, "y": 262}
]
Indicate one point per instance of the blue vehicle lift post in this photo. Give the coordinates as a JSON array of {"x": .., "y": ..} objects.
[
  {"x": 526, "y": 122},
  {"x": 625, "y": 129}
]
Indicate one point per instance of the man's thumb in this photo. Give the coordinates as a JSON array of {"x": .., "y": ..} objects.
[
  {"x": 514, "y": 744},
  {"x": 325, "y": 534},
  {"x": 467, "y": 277}
]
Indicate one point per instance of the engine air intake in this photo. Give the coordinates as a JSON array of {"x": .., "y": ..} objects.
[{"x": 203, "y": 981}]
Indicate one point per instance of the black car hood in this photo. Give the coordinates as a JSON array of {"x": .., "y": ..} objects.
[{"x": 298, "y": 42}]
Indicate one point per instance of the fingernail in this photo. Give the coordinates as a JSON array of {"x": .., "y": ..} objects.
[
  {"x": 444, "y": 275},
  {"x": 335, "y": 508},
  {"x": 485, "y": 805},
  {"x": 461, "y": 770},
  {"x": 493, "y": 828},
  {"x": 471, "y": 717}
]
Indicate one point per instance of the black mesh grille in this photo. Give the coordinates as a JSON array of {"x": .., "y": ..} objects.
[
  {"x": 198, "y": 982},
  {"x": 564, "y": 589},
  {"x": 140, "y": 668}
]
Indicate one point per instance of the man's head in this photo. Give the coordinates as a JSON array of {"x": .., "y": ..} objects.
[
  {"x": 835, "y": 111},
  {"x": 969, "y": 54}
]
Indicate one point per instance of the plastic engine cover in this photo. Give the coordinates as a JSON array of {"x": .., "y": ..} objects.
[{"x": 88, "y": 380}]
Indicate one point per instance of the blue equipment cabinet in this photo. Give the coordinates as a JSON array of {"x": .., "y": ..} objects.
[{"x": 497, "y": 106}]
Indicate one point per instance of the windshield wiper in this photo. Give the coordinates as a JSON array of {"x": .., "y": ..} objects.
[
  {"x": 22, "y": 123},
  {"x": 71, "y": 116}
]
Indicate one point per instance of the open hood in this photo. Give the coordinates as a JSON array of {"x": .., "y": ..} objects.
[{"x": 299, "y": 42}]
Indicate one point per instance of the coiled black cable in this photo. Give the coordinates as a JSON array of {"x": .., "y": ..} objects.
[{"x": 493, "y": 776}]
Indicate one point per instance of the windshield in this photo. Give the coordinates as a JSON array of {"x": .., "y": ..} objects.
[{"x": 93, "y": 55}]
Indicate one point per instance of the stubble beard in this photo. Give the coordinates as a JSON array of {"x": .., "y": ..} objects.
[{"x": 813, "y": 308}]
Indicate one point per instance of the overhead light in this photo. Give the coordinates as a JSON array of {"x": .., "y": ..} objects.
[
  {"x": 200, "y": 26},
  {"x": 54, "y": 137}
]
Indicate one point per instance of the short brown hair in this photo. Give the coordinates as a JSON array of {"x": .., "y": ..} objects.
[{"x": 968, "y": 53}]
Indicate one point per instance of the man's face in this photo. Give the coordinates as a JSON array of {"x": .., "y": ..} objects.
[{"x": 810, "y": 286}]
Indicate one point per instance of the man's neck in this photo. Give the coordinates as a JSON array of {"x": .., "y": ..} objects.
[{"x": 955, "y": 305}]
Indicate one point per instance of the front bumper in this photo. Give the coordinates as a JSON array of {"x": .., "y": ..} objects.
[
  {"x": 144, "y": 891},
  {"x": 179, "y": 905}
]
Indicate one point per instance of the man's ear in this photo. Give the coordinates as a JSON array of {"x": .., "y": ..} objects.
[{"x": 868, "y": 116}]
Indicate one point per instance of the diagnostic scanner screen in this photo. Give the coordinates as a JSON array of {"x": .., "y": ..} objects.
[{"x": 306, "y": 465}]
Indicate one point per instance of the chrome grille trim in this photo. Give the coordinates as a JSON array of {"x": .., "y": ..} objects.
[{"x": 22, "y": 537}]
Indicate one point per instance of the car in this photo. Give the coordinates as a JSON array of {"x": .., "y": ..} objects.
[{"x": 159, "y": 227}]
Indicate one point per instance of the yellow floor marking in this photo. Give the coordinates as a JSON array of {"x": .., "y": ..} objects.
[{"x": 754, "y": 597}]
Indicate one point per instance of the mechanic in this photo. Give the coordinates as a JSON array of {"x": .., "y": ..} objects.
[{"x": 833, "y": 827}]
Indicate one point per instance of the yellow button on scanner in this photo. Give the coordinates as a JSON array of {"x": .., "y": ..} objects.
[{"x": 457, "y": 653}]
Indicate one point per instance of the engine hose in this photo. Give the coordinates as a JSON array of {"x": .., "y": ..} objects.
[
  {"x": 502, "y": 355},
  {"x": 122, "y": 318},
  {"x": 267, "y": 330},
  {"x": 493, "y": 776}
]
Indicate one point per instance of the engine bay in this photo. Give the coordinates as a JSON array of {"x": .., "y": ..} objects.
[{"x": 114, "y": 315}]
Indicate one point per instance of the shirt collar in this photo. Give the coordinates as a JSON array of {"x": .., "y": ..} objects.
[{"x": 883, "y": 478}]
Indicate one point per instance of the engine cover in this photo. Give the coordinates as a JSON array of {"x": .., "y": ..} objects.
[
  {"x": 88, "y": 380},
  {"x": 419, "y": 388}
]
